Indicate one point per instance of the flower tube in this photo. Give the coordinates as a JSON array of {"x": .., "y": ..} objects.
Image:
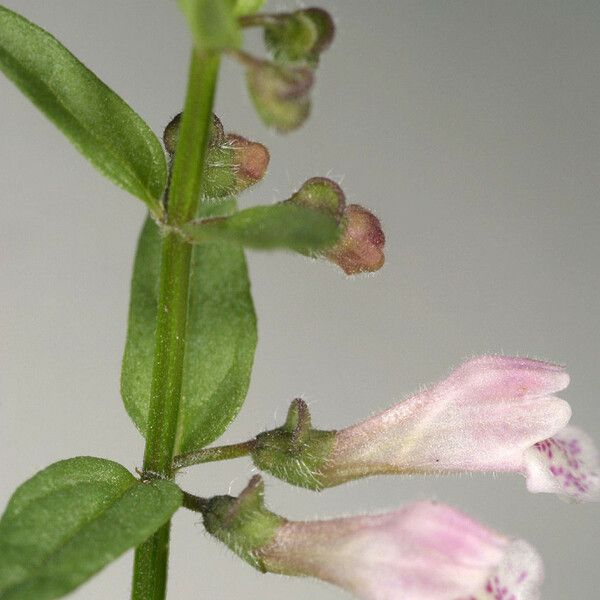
[{"x": 424, "y": 551}]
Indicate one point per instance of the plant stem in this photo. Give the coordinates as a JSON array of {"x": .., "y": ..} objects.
[
  {"x": 260, "y": 20},
  {"x": 195, "y": 503},
  {"x": 212, "y": 454},
  {"x": 151, "y": 558}
]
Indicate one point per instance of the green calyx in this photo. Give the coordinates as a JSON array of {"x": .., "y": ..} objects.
[
  {"x": 295, "y": 452},
  {"x": 171, "y": 133},
  {"x": 233, "y": 163},
  {"x": 219, "y": 172},
  {"x": 243, "y": 524},
  {"x": 323, "y": 195},
  {"x": 280, "y": 94}
]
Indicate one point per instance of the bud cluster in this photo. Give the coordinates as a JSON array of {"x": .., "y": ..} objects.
[
  {"x": 233, "y": 163},
  {"x": 280, "y": 88}
]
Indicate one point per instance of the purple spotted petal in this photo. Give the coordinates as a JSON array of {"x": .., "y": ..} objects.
[
  {"x": 518, "y": 577},
  {"x": 567, "y": 464},
  {"x": 425, "y": 551},
  {"x": 483, "y": 417}
]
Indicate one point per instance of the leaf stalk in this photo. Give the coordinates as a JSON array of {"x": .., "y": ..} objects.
[{"x": 205, "y": 455}]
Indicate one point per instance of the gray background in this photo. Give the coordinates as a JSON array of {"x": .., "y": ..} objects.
[{"x": 471, "y": 128}]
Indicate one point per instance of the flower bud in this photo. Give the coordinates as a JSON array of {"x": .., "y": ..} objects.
[
  {"x": 325, "y": 27},
  {"x": 323, "y": 195},
  {"x": 234, "y": 165},
  {"x": 360, "y": 248},
  {"x": 250, "y": 160},
  {"x": 299, "y": 36},
  {"x": 280, "y": 94},
  {"x": 424, "y": 551},
  {"x": 171, "y": 133}
]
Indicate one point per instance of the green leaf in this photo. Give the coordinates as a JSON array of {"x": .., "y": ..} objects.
[
  {"x": 73, "y": 518},
  {"x": 97, "y": 121},
  {"x": 284, "y": 225},
  {"x": 136, "y": 370},
  {"x": 221, "y": 336},
  {"x": 213, "y": 23}
]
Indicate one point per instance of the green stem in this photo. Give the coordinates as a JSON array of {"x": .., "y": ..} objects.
[
  {"x": 151, "y": 558},
  {"x": 261, "y": 20},
  {"x": 195, "y": 503},
  {"x": 212, "y": 454}
]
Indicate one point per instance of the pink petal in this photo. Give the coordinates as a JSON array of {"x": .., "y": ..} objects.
[
  {"x": 425, "y": 551},
  {"x": 567, "y": 464},
  {"x": 508, "y": 376},
  {"x": 518, "y": 577},
  {"x": 482, "y": 417}
]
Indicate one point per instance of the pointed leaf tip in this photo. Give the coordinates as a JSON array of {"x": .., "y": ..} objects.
[{"x": 95, "y": 119}]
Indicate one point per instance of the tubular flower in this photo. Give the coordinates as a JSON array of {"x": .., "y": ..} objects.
[
  {"x": 424, "y": 551},
  {"x": 493, "y": 413}
]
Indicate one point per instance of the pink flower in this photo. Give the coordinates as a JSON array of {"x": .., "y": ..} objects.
[
  {"x": 425, "y": 551},
  {"x": 493, "y": 413}
]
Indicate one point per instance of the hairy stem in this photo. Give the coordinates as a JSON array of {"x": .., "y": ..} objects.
[
  {"x": 212, "y": 454},
  {"x": 151, "y": 558}
]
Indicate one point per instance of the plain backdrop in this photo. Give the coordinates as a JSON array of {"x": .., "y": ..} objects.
[{"x": 472, "y": 128}]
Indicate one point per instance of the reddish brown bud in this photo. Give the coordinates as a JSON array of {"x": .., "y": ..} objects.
[
  {"x": 250, "y": 160},
  {"x": 234, "y": 165},
  {"x": 360, "y": 248}
]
